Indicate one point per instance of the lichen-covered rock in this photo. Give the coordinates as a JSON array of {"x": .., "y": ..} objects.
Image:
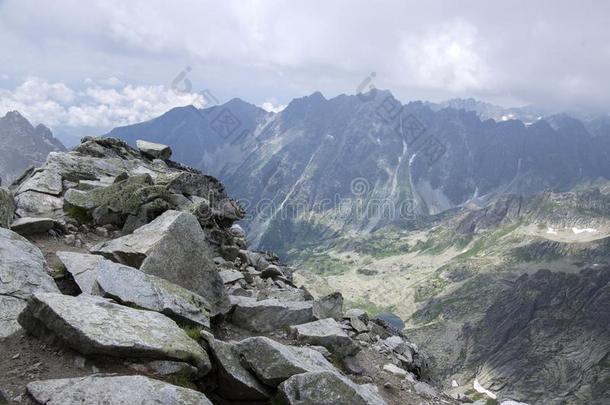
[
  {"x": 326, "y": 388},
  {"x": 22, "y": 273},
  {"x": 172, "y": 247},
  {"x": 113, "y": 390},
  {"x": 274, "y": 362},
  {"x": 328, "y": 333},
  {"x": 234, "y": 381},
  {"x": 94, "y": 325},
  {"x": 7, "y": 207},
  {"x": 271, "y": 314},
  {"x": 154, "y": 150}
]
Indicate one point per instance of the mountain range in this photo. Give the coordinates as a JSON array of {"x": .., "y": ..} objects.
[
  {"x": 22, "y": 145},
  {"x": 295, "y": 170}
]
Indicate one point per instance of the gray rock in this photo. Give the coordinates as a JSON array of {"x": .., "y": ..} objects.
[
  {"x": 166, "y": 368},
  {"x": 22, "y": 273},
  {"x": 356, "y": 313},
  {"x": 329, "y": 306},
  {"x": 271, "y": 314},
  {"x": 83, "y": 268},
  {"x": 33, "y": 203},
  {"x": 33, "y": 226},
  {"x": 234, "y": 381},
  {"x": 7, "y": 207},
  {"x": 326, "y": 388},
  {"x": 42, "y": 181},
  {"x": 285, "y": 294},
  {"x": 230, "y": 276},
  {"x": 273, "y": 362},
  {"x": 134, "y": 287},
  {"x": 154, "y": 150},
  {"x": 424, "y": 389},
  {"x": 328, "y": 333},
  {"x": 173, "y": 247},
  {"x": 93, "y": 325},
  {"x": 272, "y": 271},
  {"x": 113, "y": 390},
  {"x": 96, "y": 275},
  {"x": 256, "y": 260},
  {"x": 358, "y": 325}
]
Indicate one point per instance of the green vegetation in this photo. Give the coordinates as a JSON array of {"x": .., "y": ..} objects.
[
  {"x": 79, "y": 214},
  {"x": 430, "y": 289},
  {"x": 194, "y": 332},
  {"x": 488, "y": 240},
  {"x": 371, "y": 308},
  {"x": 323, "y": 265}
]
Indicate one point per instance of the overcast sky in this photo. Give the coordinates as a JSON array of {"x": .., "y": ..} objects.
[{"x": 101, "y": 64}]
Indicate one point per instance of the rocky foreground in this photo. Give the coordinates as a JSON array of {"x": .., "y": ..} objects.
[{"x": 123, "y": 280}]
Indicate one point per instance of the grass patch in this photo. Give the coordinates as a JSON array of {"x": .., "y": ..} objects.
[
  {"x": 487, "y": 240},
  {"x": 324, "y": 265}
]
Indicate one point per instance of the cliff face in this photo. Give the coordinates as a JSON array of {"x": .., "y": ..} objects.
[{"x": 134, "y": 285}]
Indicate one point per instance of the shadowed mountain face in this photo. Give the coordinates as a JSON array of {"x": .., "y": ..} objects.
[
  {"x": 23, "y": 145},
  {"x": 323, "y": 167}
]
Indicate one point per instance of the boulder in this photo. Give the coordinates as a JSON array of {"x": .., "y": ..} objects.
[
  {"x": 230, "y": 276},
  {"x": 329, "y": 306},
  {"x": 32, "y": 226},
  {"x": 96, "y": 275},
  {"x": 271, "y": 314},
  {"x": 103, "y": 389},
  {"x": 7, "y": 207},
  {"x": 94, "y": 325},
  {"x": 235, "y": 383},
  {"x": 326, "y": 388},
  {"x": 273, "y": 362},
  {"x": 328, "y": 333},
  {"x": 83, "y": 268},
  {"x": 42, "y": 181},
  {"x": 22, "y": 273},
  {"x": 154, "y": 150},
  {"x": 173, "y": 247},
  {"x": 35, "y": 204}
]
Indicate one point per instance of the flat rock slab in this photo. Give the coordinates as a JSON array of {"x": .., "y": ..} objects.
[
  {"x": 113, "y": 390},
  {"x": 328, "y": 333},
  {"x": 43, "y": 181},
  {"x": 326, "y": 388},
  {"x": 93, "y": 325},
  {"x": 96, "y": 275},
  {"x": 22, "y": 273},
  {"x": 33, "y": 226},
  {"x": 154, "y": 150},
  {"x": 173, "y": 247},
  {"x": 230, "y": 276},
  {"x": 271, "y": 314},
  {"x": 273, "y": 362},
  {"x": 33, "y": 204}
]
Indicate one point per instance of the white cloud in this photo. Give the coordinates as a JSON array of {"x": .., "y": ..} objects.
[{"x": 56, "y": 104}]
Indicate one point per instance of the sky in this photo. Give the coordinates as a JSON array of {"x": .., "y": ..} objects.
[{"x": 93, "y": 65}]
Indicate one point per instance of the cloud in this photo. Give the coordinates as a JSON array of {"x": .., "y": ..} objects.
[
  {"x": 547, "y": 52},
  {"x": 95, "y": 106}
]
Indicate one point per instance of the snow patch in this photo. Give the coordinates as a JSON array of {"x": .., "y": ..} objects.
[
  {"x": 551, "y": 231},
  {"x": 579, "y": 231},
  {"x": 479, "y": 388}
]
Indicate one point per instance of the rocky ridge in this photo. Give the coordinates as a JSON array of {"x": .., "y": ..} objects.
[{"x": 135, "y": 285}]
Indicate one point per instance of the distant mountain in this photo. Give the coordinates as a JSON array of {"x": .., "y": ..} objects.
[
  {"x": 299, "y": 169},
  {"x": 23, "y": 145}
]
